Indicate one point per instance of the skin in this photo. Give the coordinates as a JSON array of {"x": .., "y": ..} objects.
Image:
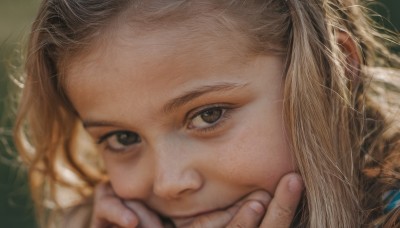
[
  {"x": 189, "y": 129},
  {"x": 256, "y": 210}
]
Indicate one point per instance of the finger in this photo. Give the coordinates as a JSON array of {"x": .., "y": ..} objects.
[
  {"x": 103, "y": 189},
  {"x": 282, "y": 208},
  {"x": 249, "y": 215},
  {"x": 252, "y": 211},
  {"x": 217, "y": 218},
  {"x": 259, "y": 195},
  {"x": 110, "y": 210},
  {"x": 222, "y": 218},
  {"x": 147, "y": 218}
]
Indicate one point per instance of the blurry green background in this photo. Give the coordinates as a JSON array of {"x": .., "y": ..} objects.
[
  {"x": 16, "y": 17},
  {"x": 15, "y": 205}
]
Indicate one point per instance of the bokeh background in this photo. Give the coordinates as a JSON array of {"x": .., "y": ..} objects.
[
  {"x": 16, "y": 16},
  {"x": 16, "y": 210}
]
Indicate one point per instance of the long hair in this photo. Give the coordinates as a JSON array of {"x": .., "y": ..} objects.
[{"x": 340, "y": 139}]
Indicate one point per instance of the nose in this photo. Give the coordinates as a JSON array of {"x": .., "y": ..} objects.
[
  {"x": 174, "y": 184},
  {"x": 175, "y": 176}
]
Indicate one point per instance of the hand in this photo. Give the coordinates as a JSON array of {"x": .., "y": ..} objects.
[
  {"x": 281, "y": 209},
  {"x": 257, "y": 209},
  {"x": 111, "y": 211}
]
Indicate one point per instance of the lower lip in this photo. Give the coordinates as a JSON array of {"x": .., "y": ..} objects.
[{"x": 192, "y": 215}]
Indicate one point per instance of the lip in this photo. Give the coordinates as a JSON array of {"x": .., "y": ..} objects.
[
  {"x": 185, "y": 220},
  {"x": 192, "y": 215},
  {"x": 180, "y": 215},
  {"x": 183, "y": 217}
]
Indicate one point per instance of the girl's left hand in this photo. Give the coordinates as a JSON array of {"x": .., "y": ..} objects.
[
  {"x": 257, "y": 209},
  {"x": 281, "y": 209}
]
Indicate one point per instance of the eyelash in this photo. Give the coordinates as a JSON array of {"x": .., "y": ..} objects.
[
  {"x": 225, "y": 115},
  {"x": 105, "y": 137},
  {"x": 226, "y": 111}
]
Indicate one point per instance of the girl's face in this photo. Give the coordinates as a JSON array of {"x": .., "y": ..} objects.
[{"x": 187, "y": 120}]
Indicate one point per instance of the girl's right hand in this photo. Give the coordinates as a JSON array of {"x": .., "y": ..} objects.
[{"x": 110, "y": 211}]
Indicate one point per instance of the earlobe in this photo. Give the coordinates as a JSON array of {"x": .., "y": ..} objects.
[{"x": 353, "y": 57}]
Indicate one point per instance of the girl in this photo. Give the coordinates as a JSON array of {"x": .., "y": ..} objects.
[{"x": 204, "y": 111}]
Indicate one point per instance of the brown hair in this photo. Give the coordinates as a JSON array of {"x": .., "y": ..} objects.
[{"x": 347, "y": 151}]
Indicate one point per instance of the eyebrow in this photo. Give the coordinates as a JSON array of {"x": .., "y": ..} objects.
[
  {"x": 198, "y": 92},
  {"x": 94, "y": 123},
  {"x": 176, "y": 102}
]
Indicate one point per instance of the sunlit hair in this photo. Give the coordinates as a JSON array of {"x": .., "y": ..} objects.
[{"x": 346, "y": 149}]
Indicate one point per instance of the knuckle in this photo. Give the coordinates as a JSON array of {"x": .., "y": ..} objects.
[{"x": 283, "y": 212}]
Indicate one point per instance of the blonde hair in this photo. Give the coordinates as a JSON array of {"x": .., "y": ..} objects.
[{"x": 338, "y": 134}]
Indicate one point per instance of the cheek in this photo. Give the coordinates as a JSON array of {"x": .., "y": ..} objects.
[
  {"x": 256, "y": 156},
  {"x": 125, "y": 179}
]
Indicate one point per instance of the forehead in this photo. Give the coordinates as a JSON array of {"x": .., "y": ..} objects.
[
  {"x": 149, "y": 60},
  {"x": 202, "y": 35}
]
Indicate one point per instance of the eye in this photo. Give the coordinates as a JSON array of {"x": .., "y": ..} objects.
[
  {"x": 207, "y": 118},
  {"x": 120, "y": 140}
]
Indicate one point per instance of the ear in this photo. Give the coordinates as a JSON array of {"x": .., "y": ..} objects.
[{"x": 353, "y": 56}]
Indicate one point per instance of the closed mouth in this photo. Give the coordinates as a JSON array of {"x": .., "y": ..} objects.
[{"x": 192, "y": 215}]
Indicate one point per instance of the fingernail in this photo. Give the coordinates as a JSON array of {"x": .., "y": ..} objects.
[
  {"x": 257, "y": 207},
  {"x": 295, "y": 184}
]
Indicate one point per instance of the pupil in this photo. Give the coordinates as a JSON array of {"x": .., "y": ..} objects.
[
  {"x": 127, "y": 138},
  {"x": 210, "y": 116}
]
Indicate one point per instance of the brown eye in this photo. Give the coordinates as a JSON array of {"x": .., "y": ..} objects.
[
  {"x": 120, "y": 140},
  {"x": 127, "y": 138},
  {"x": 207, "y": 118},
  {"x": 212, "y": 115}
]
